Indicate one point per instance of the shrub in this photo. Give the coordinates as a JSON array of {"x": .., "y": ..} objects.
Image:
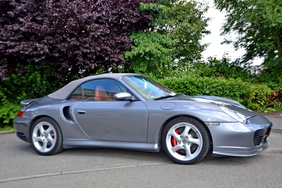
[
  {"x": 221, "y": 68},
  {"x": 8, "y": 112},
  {"x": 33, "y": 83},
  {"x": 255, "y": 97}
]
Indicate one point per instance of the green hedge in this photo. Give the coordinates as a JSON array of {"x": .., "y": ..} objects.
[
  {"x": 33, "y": 83},
  {"x": 253, "y": 96},
  {"x": 8, "y": 112}
]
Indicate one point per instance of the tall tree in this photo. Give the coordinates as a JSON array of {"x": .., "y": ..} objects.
[
  {"x": 172, "y": 41},
  {"x": 259, "y": 25},
  {"x": 76, "y": 37},
  {"x": 186, "y": 26}
]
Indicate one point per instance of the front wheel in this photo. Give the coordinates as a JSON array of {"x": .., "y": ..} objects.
[
  {"x": 185, "y": 140},
  {"x": 46, "y": 136}
]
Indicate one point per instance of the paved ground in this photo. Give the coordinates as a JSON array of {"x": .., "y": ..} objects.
[
  {"x": 276, "y": 120},
  {"x": 22, "y": 167}
]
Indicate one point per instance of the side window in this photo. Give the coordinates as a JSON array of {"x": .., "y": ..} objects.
[
  {"x": 98, "y": 90},
  {"x": 77, "y": 95},
  {"x": 88, "y": 91}
]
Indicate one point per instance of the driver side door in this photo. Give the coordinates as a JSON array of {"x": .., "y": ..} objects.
[{"x": 103, "y": 118}]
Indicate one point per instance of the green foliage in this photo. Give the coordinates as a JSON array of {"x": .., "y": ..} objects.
[
  {"x": 172, "y": 41},
  {"x": 186, "y": 26},
  {"x": 272, "y": 73},
  {"x": 8, "y": 112},
  {"x": 220, "y": 68},
  {"x": 259, "y": 24},
  {"x": 156, "y": 11},
  {"x": 253, "y": 96},
  {"x": 7, "y": 128},
  {"x": 33, "y": 83},
  {"x": 150, "y": 54}
]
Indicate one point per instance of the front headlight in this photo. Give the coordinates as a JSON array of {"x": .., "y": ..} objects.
[{"x": 234, "y": 114}]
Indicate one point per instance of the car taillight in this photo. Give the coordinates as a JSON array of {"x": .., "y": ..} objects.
[{"x": 20, "y": 113}]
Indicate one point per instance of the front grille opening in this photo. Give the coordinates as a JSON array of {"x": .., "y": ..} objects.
[{"x": 258, "y": 136}]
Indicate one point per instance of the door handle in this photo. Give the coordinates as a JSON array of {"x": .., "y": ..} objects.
[{"x": 81, "y": 112}]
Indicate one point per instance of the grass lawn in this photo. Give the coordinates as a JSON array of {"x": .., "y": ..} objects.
[{"x": 7, "y": 128}]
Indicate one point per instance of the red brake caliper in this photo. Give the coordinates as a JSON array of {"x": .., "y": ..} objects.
[{"x": 174, "y": 142}]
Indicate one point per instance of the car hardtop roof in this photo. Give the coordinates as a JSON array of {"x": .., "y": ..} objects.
[
  {"x": 108, "y": 75},
  {"x": 65, "y": 91}
]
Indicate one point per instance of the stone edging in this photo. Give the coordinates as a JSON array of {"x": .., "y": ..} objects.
[{"x": 7, "y": 132}]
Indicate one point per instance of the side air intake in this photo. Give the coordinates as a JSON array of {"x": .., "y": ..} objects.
[{"x": 67, "y": 114}]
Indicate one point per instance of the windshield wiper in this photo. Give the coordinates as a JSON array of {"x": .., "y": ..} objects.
[{"x": 167, "y": 96}]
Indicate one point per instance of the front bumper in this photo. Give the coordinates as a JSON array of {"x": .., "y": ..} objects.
[{"x": 241, "y": 140}]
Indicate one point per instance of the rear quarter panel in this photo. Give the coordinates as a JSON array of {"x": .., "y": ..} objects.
[{"x": 53, "y": 109}]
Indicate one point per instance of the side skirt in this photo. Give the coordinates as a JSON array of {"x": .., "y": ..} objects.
[{"x": 149, "y": 147}]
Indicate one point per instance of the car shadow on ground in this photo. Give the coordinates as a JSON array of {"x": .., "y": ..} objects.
[
  {"x": 116, "y": 153},
  {"x": 154, "y": 157},
  {"x": 137, "y": 156}
]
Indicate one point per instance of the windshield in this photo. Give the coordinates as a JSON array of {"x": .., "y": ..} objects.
[{"x": 147, "y": 87}]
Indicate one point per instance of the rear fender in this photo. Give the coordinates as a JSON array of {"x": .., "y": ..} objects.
[{"x": 28, "y": 101}]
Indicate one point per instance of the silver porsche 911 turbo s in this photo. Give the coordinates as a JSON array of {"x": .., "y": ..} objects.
[{"x": 131, "y": 111}]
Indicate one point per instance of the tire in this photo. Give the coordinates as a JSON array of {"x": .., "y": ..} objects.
[
  {"x": 185, "y": 140},
  {"x": 46, "y": 137}
]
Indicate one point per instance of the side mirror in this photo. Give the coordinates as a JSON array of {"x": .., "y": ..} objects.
[{"x": 123, "y": 96}]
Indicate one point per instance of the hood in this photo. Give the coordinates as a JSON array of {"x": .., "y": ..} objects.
[
  {"x": 229, "y": 103},
  {"x": 210, "y": 99},
  {"x": 218, "y": 100}
]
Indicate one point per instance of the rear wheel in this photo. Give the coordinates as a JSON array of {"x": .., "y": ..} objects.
[
  {"x": 46, "y": 137},
  {"x": 185, "y": 140}
]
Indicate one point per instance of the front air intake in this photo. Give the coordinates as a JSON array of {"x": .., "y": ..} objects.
[{"x": 258, "y": 136}]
